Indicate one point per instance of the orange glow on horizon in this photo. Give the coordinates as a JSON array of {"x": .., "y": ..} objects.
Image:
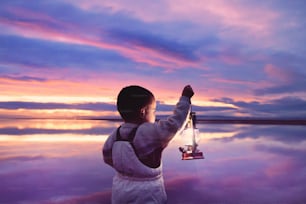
[
  {"x": 55, "y": 124},
  {"x": 53, "y": 91}
]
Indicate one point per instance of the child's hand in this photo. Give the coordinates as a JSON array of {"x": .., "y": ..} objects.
[{"x": 188, "y": 92}]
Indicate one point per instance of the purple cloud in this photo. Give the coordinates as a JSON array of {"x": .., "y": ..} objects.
[
  {"x": 11, "y": 105},
  {"x": 158, "y": 43},
  {"x": 294, "y": 87},
  {"x": 285, "y": 81},
  {"x": 14, "y": 131},
  {"x": 287, "y": 107},
  {"x": 23, "y": 78},
  {"x": 21, "y": 158},
  {"x": 33, "y": 53}
]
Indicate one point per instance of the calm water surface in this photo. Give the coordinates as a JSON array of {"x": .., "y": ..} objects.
[{"x": 60, "y": 161}]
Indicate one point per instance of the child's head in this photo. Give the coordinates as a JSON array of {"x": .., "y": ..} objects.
[{"x": 136, "y": 104}]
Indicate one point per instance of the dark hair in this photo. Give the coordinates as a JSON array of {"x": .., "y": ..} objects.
[{"x": 131, "y": 99}]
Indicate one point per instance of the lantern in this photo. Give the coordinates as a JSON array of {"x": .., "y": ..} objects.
[{"x": 191, "y": 135}]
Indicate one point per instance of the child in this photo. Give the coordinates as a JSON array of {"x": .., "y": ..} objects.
[{"x": 134, "y": 150}]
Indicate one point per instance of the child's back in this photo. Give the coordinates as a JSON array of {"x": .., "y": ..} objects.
[{"x": 134, "y": 150}]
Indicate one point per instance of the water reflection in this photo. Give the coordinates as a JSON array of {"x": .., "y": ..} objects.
[{"x": 52, "y": 161}]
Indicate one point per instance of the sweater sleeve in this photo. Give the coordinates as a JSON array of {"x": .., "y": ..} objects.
[
  {"x": 151, "y": 137},
  {"x": 107, "y": 149}
]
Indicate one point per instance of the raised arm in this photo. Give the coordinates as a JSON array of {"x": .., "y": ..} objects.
[{"x": 159, "y": 134}]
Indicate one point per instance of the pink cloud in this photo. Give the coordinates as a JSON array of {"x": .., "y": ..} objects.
[
  {"x": 73, "y": 35},
  {"x": 240, "y": 20},
  {"x": 20, "y": 12},
  {"x": 278, "y": 73},
  {"x": 240, "y": 14}
]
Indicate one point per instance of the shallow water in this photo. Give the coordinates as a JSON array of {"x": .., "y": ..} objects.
[{"x": 60, "y": 161}]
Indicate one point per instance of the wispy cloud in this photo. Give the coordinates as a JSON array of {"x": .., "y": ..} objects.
[
  {"x": 283, "y": 107},
  {"x": 286, "y": 81},
  {"x": 22, "y": 78}
]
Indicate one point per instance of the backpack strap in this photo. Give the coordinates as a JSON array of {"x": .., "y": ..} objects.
[{"x": 129, "y": 139}]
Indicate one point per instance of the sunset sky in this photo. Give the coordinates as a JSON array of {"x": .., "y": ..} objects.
[{"x": 67, "y": 58}]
